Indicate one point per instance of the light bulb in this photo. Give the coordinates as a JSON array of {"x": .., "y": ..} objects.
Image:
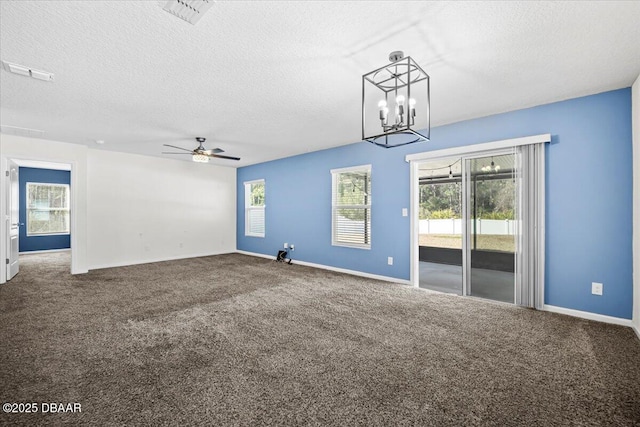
[
  {"x": 382, "y": 103},
  {"x": 412, "y": 108},
  {"x": 383, "y": 113},
  {"x": 400, "y": 108}
]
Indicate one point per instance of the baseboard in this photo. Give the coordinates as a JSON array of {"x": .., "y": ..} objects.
[
  {"x": 589, "y": 316},
  {"x": 336, "y": 269},
  {"x": 637, "y": 329},
  {"x": 257, "y": 254},
  {"x": 45, "y": 251},
  {"x": 151, "y": 261}
]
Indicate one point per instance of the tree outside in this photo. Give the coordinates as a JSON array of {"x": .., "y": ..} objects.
[
  {"x": 257, "y": 194},
  {"x": 494, "y": 200}
]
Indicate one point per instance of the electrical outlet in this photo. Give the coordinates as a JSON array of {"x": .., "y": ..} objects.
[
  {"x": 286, "y": 245},
  {"x": 293, "y": 247},
  {"x": 405, "y": 212},
  {"x": 596, "y": 288},
  {"x": 390, "y": 260}
]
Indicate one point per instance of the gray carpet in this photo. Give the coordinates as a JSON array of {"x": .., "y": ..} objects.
[{"x": 237, "y": 340}]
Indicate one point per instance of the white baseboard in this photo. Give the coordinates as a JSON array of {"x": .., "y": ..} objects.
[
  {"x": 589, "y": 316},
  {"x": 637, "y": 329},
  {"x": 256, "y": 254},
  {"x": 151, "y": 261},
  {"x": 336, "y": 269},
  {"x": 45, "y": 251}
]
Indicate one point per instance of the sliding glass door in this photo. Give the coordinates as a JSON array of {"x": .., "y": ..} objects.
[
  {"x": 440, "y": 225},
  {"x": 480, "y": 224},
  {"x": 492, "y": 226}
]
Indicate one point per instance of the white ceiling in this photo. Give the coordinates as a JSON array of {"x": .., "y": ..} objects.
[{"x": 270, "y": 79}]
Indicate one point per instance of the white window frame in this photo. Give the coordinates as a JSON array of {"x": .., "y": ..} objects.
[
  {"x": 334, "y": 182},
  {"x": 68, "y": 208},
  {"x": 248, "y": 208}
]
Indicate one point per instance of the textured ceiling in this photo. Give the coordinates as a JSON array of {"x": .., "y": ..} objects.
[{"x": 270, "y": 79}]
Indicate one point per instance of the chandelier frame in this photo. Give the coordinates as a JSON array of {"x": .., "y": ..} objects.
[{"x": 402, "y": 72}]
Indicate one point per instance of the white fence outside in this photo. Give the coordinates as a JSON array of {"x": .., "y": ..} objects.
[{"x": 505, "y": 227}]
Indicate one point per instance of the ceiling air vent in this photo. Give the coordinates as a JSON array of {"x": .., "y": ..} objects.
[
  {"x": 27, "y": 71},
  {"x": 189, "y": 10},
  {"x": 18, "y": 131}
]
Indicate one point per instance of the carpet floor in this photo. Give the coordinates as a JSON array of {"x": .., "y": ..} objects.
[{"x": 238, "y": 340}]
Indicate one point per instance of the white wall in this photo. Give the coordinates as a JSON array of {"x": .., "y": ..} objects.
[
  {"x": 145, "y": 209},
  {"x": 635, "y": 115},
  {"x": 17, "y": 147},
  {"x": 129, "y": 209}
]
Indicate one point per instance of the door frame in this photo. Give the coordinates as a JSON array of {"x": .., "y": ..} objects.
[
  {"x": 13, "y": 233},
  {"x": 475, "y": 150},
  {"x": 44, "y": 163}
]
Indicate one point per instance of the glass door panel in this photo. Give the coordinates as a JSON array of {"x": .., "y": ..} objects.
[
  {"x": 492, "y": 226},
  {"x": 440, "y": 225}
]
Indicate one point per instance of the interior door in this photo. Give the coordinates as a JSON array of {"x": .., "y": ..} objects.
[{"x": 12, "y": 222}]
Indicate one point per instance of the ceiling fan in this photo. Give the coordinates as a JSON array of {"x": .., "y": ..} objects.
[{"x": 200, "y": 154}]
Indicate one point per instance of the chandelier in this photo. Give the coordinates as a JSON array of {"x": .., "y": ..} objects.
[
  {"x": 493, "y": 168},
  {"x": 399, "y": 93}
]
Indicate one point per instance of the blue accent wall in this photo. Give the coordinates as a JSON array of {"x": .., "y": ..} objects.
[
  {"x": 40, "y": 243},
  {"x": 588, "y": 204}
]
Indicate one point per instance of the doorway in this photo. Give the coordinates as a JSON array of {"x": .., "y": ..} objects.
[
  {"x": 478, "y": 224},
  {"x": 38, "y": 209}
]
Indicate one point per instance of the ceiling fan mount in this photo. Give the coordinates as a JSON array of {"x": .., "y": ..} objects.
[{"x": 200, "y": 151}]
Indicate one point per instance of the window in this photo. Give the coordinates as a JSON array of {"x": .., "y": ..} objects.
[
  {"x": 254, "y": 203},
  {"x": 47, "y": 209},
  {"x": 351, "y": 207}
]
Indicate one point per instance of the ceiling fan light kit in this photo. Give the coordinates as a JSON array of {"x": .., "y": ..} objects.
[
  {"x": 200, "y": 154},
  {"x": 399, "y": 94},
  {"x": 200, "y": 158}
]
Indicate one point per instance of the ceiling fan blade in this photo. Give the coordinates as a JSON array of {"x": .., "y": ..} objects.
[
  {"x": 164, "y": 152},
  {"x": 179, "y": 148},
  {"x": 223, "y": 157},
  {"x": 214, "y": 151}
]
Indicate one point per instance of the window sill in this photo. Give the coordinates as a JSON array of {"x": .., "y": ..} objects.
[{"x": 352, "y": 246}]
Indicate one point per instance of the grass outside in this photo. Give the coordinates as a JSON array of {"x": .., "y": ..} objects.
[{"x": 490, "y": 242}]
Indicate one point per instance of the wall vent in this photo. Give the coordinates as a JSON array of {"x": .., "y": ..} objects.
[{"x": 188, "y": 10}]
